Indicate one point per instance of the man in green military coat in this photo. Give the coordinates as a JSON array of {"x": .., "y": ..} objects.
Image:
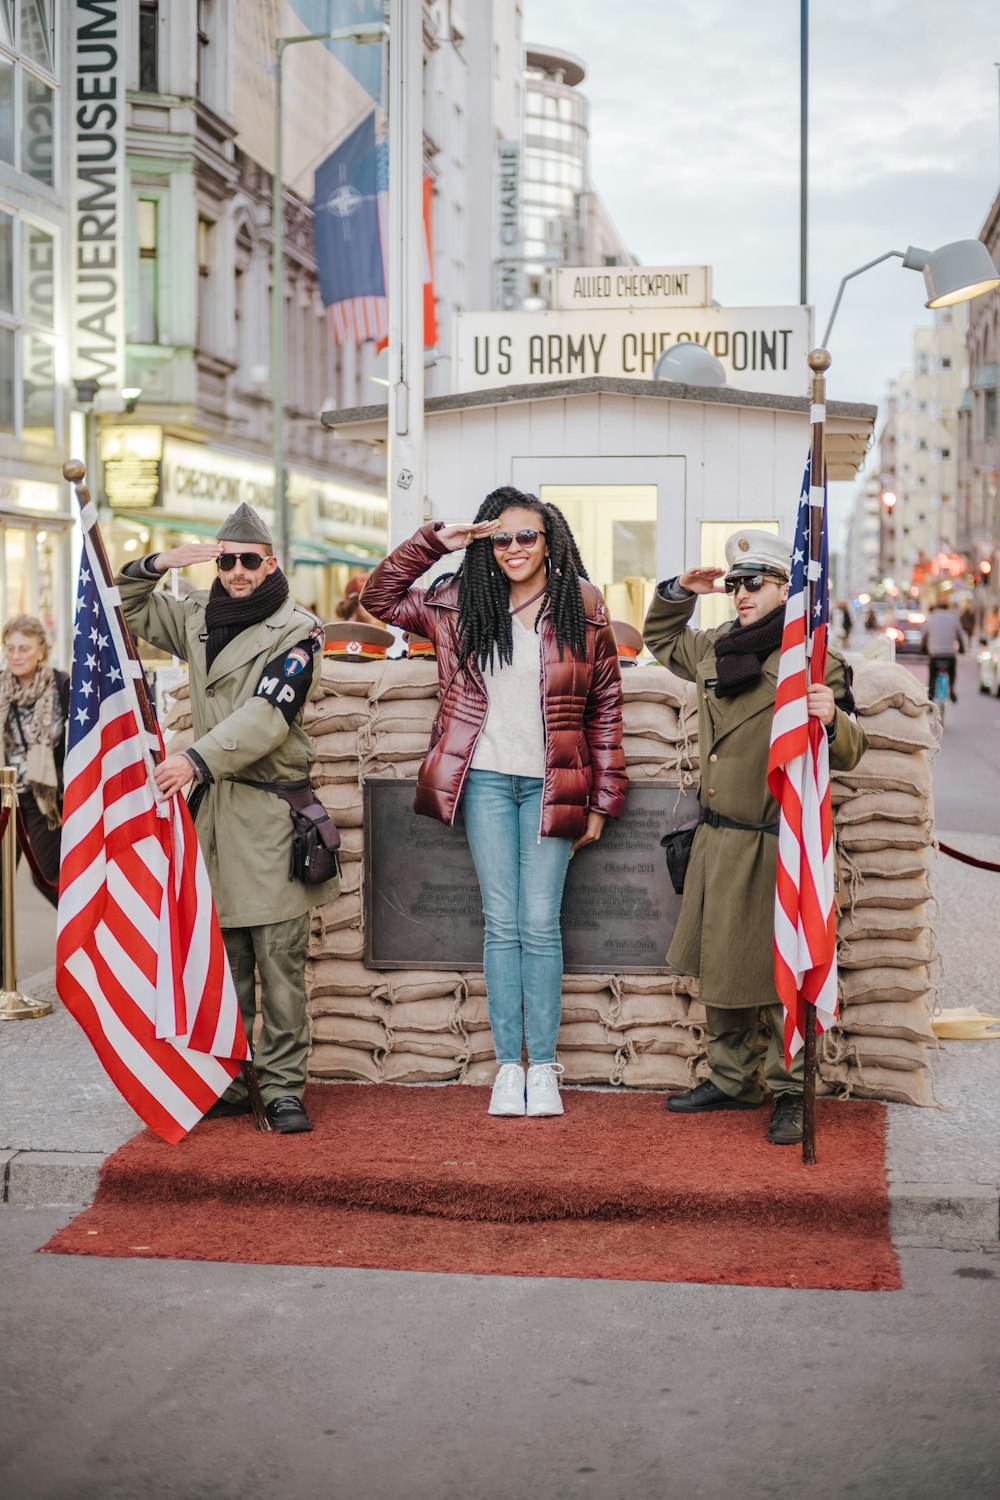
[
  {"x": 250, "y": 652},
  {"x": 725, "y": 932}
]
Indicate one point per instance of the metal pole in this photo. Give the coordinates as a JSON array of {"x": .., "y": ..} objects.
[
  {"x": 278, "y": 329},
  {"x": 13, "y": 1005},
  {"x": 406, "y": 275},
  {"x": 803, "y": 151},
  {"x": 819, "y": 362}
]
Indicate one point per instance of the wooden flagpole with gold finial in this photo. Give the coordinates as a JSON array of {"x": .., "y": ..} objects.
[{"x": 75, "y": 472}]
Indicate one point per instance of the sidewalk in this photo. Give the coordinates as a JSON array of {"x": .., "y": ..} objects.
[{"x": 60, "y": 1116}]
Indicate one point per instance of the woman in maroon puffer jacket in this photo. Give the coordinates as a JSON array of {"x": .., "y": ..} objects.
[{"x": 528, "y": 738}]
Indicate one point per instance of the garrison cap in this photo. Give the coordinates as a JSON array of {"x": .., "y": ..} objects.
[
  {"x": 245, "y": 525},
  {"x": 749, "y": 552},
  {"x": 629, "y": 641}
]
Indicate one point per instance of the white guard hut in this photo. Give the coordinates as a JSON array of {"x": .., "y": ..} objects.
[{"x": 651, "y": 475}]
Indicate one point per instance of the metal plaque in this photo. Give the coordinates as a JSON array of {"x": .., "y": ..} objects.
[{"x": 422, "y": 903}]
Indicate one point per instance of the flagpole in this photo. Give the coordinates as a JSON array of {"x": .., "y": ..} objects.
[
  {"x": 75, "y": 472},
  {"x": 819, "y": 362}
]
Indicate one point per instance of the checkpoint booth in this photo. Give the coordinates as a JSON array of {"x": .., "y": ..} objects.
[{"x": 652, "y": 476}]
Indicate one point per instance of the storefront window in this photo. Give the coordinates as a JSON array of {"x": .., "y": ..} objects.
[
  {"x": 37, "y": 268},
  {"x": 27, "y": 348},
  {"x": 7, "y": 22}
]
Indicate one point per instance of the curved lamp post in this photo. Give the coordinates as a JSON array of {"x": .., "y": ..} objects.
[{"x": 953, "y": 273}]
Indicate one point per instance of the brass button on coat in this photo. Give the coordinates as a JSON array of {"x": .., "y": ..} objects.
[
  {"x": 711, "y": 791},
  {"x": 210, "y": 692},
  {"x": 713, "y": 759}
]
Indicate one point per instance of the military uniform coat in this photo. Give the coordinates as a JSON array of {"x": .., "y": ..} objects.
[
  {"x": 245, "y": 834},
  {"x": 725, "y": 932}
]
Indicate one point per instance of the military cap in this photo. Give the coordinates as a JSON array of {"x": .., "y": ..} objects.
[
  {"x": 419, "y": 645},
  {"x": 349, "y": 640},
  {"x": 629, "y": 642},
  {"x": 750, "y": 551},
  {"x": 245, "y": 525}
]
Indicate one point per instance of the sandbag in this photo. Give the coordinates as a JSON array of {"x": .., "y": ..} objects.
[
  {"x": 892, "y": 863},
  {"x": 588, "y": 1036},
  {"x": 430, "y": 1044},
  {"x": 343, "y": 803},
  {"x": 658, "y": 721},
  {"x": 331, "y": 976},
  {"x": 659, "y": 685},
  {"x": 908, "y": 1019},
  {"x": 879, "y": 685},
  {"x": 898, "y": 1053},
  {"x": 880, "y": 833},
  {"x": 352, "y": 679},
  {"x": 680, "y": 1041},
  {"x": 345, "y": 912},
  {"x": 867, "y": 922},
  {"x": 350, "y": 1031},
  {"x": 365, "y": 1007},
  {"x": 657, "y": 1070},
  {"x": 423, "y": 984},
  {"x": 891, "y": 894},
  {"x": 580, "y": 1066},
  {"x": 410, "y": 1067},
  {"x": 892, "y": 1084},
  {"x": 479, "y": 1074},
  {"x": 896, "y": 807},
  {"x": 864, "y": 986},
  {"x": 654, "y": 1009},
  {"x": 891, "y": 729},
  {"x": 352, "y": 844},
  {"x": 888, "y": 770},
  {"x": 329, "y": 714},
  {"x": 404, "y": 677},
  {"x": 439, "y": 1013},
  {"x": 886, "y": 953},
  {"x": 337, "y": 744},
  {"x": 328, "y": 1060}
]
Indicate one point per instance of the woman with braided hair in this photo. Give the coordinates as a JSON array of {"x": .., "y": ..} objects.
[{"x": 527, "y": 739}]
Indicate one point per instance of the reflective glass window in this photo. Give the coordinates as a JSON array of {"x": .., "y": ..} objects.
[
  {"x": 36, "y": 32},
  {"x": 37, "y": 130},
  {"x": 38, "y": 382},
  {"x": 6, "y": 263},
  {"x": 6, "y": 110},
  {"x": 7, "y": 22},
  {"x": 37, "y": 275},
  {"x": 6, "y": 380}
]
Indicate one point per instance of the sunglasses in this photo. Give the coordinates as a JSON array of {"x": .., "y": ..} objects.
[
  {"x": 752, "y": 585},
  {"x": 526, "y": 538},
  {"x": 249, "y": 560}
]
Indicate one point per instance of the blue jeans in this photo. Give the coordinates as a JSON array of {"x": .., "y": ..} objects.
[{"x": 521, "y": 879}]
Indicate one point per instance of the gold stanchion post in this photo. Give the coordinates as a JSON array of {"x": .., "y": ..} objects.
[{"x": 13, "y": 1005}]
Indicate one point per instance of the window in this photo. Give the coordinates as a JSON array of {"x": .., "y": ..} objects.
[
  {"x": 990, "y": 414},
  {"x": 27, "y": 92},
  {"x": 206, "y": 231},
  {"x": 147, "y": 326},
  {"x": 148, "y": 57},
  {"x": 28, "y": 406}
]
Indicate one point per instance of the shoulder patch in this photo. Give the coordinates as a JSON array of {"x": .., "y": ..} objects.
[{"x": 285, "y": 681}]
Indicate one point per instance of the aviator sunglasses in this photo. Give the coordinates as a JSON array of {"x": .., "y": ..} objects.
[
  {"x": 753, "y": 585},
  {"x": 250, "y": 561},
  {"x": 525, "y": 538}
]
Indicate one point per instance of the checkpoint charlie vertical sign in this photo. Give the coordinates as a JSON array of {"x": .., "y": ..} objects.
[{"x": 98, "y": 142}]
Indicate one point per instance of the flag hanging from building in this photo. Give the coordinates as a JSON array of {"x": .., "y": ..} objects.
[
  {"x": 351, "y": 218},
  {"x": 798, "y": 774},
  {"x": 140, "y": 960}
]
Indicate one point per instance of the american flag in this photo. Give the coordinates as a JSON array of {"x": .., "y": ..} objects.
[
  {"x": 140, "y": 960},
  {"x": 798, "y": 774}
]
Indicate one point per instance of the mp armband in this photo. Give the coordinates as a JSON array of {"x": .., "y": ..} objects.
[{"x": 285, "y": 681}]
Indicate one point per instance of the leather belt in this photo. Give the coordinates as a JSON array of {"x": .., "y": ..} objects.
[{"x": 719, "y": 820}]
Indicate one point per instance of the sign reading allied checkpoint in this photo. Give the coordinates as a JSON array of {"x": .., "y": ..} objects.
[{"x": 422, "y": 903}]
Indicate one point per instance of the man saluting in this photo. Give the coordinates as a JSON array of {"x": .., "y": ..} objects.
[
  {"x": 725, "y": 932},
  {"x": 250, "y": 652}
]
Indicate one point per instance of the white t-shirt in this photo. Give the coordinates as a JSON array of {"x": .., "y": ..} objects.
[{"x": 513, "y": 738}]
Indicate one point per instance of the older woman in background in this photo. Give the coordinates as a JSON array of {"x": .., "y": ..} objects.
[{"x": 34, "y": 709}]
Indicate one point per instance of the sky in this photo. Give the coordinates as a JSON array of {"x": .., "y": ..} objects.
[{"x": 695, "y": 150}]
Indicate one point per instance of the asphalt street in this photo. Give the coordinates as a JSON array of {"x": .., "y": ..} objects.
[{"x": 159, "y": 1380}]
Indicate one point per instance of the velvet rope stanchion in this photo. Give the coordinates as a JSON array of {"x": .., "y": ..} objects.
[
  {"x": 38, "y": 875},
  {"x": 968, "y": 859},
  {"x": 13, "y": 1005}
]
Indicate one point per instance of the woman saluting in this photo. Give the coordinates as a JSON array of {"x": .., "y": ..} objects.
[{"x": 528, "y": 739}]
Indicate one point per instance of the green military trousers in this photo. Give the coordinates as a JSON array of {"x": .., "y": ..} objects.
[
  {"x": 277, "y": 951},
  {"x": 735, "y": 1045}
]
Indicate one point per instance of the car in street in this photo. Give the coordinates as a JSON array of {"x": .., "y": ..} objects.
[
  {"x": 988, "y": 662},
  {"x": 906, "y": 631}
]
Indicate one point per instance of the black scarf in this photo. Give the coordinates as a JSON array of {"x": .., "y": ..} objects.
[
  {"x": 226, "y": 617},
  {"x": 741, "y": 654}
]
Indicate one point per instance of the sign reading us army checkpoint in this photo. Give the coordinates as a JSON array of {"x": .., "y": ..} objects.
[
  {"x": 422, "y": 902},
  {"x": 760, "y": 348}
]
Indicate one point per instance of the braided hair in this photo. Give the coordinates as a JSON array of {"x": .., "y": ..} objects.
[{"x": 484, "y": 624}]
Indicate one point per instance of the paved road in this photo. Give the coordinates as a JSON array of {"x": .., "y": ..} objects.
[
  {"x": 158, "y": 1380},
  {"x": 967, "y": 771}
]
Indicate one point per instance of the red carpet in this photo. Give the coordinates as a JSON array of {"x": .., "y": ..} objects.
[{"x": 423, "y": 1179}]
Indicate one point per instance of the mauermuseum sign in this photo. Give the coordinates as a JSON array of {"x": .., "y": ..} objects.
[
  {"x": 579, "y": 288},
  {"x": 760, "y": 348},
  {"x": 422, "y": 903}
]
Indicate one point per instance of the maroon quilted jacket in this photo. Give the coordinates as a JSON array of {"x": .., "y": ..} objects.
[{"x": 582, "y": 700}]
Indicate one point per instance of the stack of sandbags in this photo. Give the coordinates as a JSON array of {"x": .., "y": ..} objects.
[
  {"x": 175, "y": 727},
  {"x": 350, "y": 1019},
  {"x": 404, "y": 705},
  {"x": 660, "y": 722},
  {"x": 884, "y": 819}
]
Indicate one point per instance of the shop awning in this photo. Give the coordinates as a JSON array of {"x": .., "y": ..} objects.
[
  {"x": 306, "y": 551},
  {"x": 986, "y": 378}
]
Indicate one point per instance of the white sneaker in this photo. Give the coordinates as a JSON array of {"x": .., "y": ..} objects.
[
  {"x": 507, "y": 1097},
  {"x": 543, "y": 1090}
]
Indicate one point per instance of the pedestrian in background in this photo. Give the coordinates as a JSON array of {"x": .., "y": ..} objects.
[
  {"x": 34, "y": 709},
  {"x": 725, "y": 932},
  {"x": 250, "y": 652},
  {"x": 528, "y": 739}
]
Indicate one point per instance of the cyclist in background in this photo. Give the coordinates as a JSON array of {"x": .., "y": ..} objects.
[{"x": 943, "y": 639}]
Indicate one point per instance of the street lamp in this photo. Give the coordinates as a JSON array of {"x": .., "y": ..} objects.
[
  {"x": 954, "y": 273},
  {"x": 365, "y": 34}
]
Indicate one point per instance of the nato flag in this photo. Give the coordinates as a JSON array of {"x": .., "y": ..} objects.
[{"x": 348, "y": 252}]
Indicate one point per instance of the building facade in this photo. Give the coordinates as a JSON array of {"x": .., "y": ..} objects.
[{"x": 978, "y": 433}]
